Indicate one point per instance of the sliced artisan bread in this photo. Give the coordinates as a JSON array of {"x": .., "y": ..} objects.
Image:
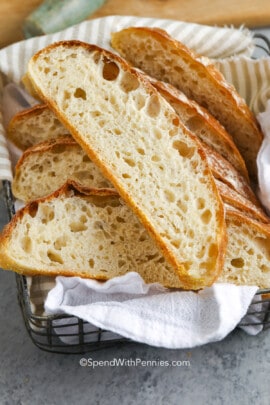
[
  {"x": 40, "y": 123},
  {"x": 140, "y": 145},
  {"x": 34, "y": 125},
  {"x": 234, "y": 199},
  {"x": 160, "y": 56},
  {"x": 83, "y": 232},
  {"x": 247, "y": 259},
  {"x": 22, "y": 128},
  {"x": 92, "y": 233},
  {"x": 45, "y": 167},
  {"x": 200, "y": 122}
]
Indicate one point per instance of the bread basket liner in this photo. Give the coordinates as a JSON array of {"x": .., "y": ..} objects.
[{"x": 230, "y": 50}]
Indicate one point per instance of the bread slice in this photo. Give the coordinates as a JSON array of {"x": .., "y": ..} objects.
[
  {"x": 91, "y": 233},
  {"x": 82, "y": 232},
  {"x": 46, "y": 166},
  {"x": 247, "y": 259},
  {"x": 236, "y": 200},
  {"x": 140, "y": 145},
  {"x": 34, "y": 125},
  {"x": 198, "y": 120},
  {"x": 160, "y": 56}
]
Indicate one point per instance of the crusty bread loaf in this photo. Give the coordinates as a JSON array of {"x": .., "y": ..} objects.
[
  {"x": 46, "y": 166},
  {"x": 241, "y": 203},
  {"x": 34, "y": 125},
  {"x": 200, "y": 122},
  {"x": 138, "y": 142},
  {"x": 91, "y": 233},
  {"x": 82, "y": 232},
  {"x": 160, "y": 56},
  {"x": 247, "y": 259}
]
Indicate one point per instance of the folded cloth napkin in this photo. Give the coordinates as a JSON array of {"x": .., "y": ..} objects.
[{"x": 150, "y": 313}]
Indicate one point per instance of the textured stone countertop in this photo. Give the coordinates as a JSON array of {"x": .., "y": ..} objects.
[{"x": 234, "y": 371}]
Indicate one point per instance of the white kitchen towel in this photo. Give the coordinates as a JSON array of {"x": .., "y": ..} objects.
[{"x": 150, "y": 313}]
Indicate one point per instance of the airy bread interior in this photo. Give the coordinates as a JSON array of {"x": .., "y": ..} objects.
[
  {"x": 160, "y": 56},
  {"x": 138, "y": 142}
]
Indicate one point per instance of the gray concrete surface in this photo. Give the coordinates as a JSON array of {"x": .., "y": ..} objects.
[{"x": 234, "y": 371}]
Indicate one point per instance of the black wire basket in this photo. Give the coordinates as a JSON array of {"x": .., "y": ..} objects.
[{"x": 69, "y": 334}]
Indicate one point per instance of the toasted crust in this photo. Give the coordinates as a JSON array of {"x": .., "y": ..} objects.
[
  {"x": 187, "y": 280},
  {"x": 236, "y": 118}
]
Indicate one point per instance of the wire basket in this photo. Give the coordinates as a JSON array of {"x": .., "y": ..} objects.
[{"x": 69, "y": 334}]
